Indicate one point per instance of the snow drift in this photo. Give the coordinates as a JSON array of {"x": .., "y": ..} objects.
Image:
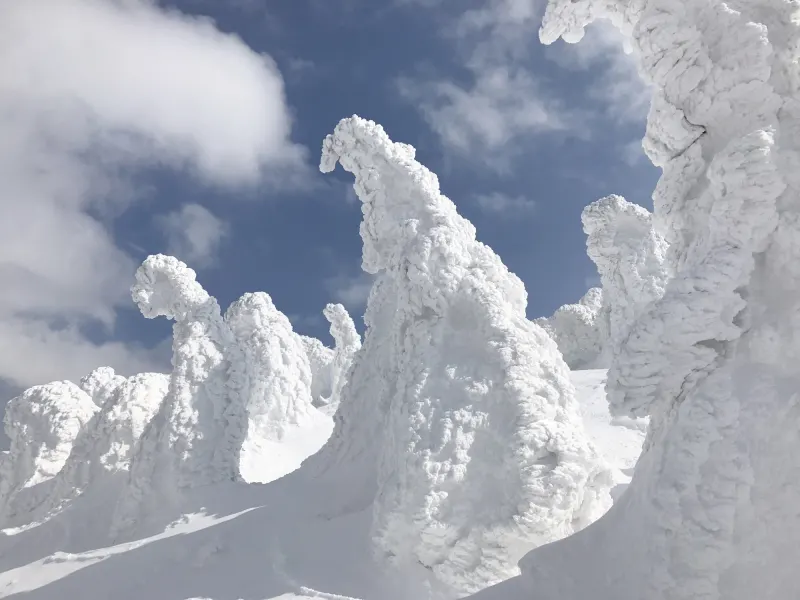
[
  {"x": 481, "y": 453},
  {"x": 710, "y": 510}
]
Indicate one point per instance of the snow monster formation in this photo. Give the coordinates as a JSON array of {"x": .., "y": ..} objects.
[
  {"x": 42, "y": 424},
  {"x": 458, "y": 424},
  {"x": 278, "y": 394},
  {"x": 347, "y": 344},
  {"x": 580, "y": 331},
  {"x": 711, "y": 511},
  {"x": 197, "y": 434},
  {"x": 102, "y": 453},
  {"x": 630, "y": 257}
]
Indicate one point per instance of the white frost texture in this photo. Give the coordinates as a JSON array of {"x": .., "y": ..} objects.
[
  {"x": 580, "y": 330},
  {"x": 471, "y": 416},
  {"x": 320, "y": 359},
  {"x": 42, "y": 424},
  {"x": 711, "y": 511}
]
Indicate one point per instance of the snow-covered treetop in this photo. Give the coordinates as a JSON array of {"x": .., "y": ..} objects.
[
  {"x": 166, "y": 287},
  {"x": 580, "y": 331},
  {"x": 343, "y": 330},
  {"x": 100, "y": 384},
  {"x": 437, "y": 260}
]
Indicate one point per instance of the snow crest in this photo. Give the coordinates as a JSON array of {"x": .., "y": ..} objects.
[
  {"x": 481, "y": 449},
  {"x": 708, "y": 511}
]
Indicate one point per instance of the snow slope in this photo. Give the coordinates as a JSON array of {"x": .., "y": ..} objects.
[{"x": 233, "y": 541}]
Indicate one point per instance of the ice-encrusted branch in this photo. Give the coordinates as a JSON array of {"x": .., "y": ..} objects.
[{"x": 481, "y": 448}]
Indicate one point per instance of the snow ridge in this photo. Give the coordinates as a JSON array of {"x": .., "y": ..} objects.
[{"x": 482, "y": 453}]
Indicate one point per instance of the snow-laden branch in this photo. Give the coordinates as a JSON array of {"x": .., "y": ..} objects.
[
  {"x": 42, "y": 424},
  {"x": 465, "y": 402},
  {"x": 348, "y": 343},
  {"x": 580, "y": 331},
  {"x": 713, "y": 361}
]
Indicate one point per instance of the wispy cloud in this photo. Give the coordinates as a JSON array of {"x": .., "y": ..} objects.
[
  {"x": 351, "y": 290},
  {"x": 91, "y": 90},
  {"x": 193, "y": 234},
  {"x": 505, "y": 205}
]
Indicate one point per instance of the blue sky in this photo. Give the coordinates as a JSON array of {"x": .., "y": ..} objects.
[{"x": 522, "y": 136}]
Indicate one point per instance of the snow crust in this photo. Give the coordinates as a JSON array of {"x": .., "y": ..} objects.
[{"x": 481, "y": 453}]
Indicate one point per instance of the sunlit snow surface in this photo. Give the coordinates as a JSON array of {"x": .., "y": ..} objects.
[{"x": 236, "y": 541}]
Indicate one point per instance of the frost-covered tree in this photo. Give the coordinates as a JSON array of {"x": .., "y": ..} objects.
[
  {"x": 710, "y": 513},
  {"x": 465, "y": 404},
  {"x": 347, "y": 344},
  {"x": 101, "y": 383},
  {"x": 580, "y": 331},
  {"x": 278, "y": 396},
  {"x": 42, "y": 424},
  {"x": 197, "y": 434},
  {"x": 320, "y": 359},
  {"x": 630, "y": 257}
]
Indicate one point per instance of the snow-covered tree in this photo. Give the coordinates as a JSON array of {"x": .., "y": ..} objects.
[
  {"x": 197, "y": 434},
  {"x": 320, "y": 359},
  {"x": 464, "y": 403},
  {"x": 104, "y": 447},
  {"x": 42, "y": 424},
  {"x": 278, "y": 396},
  {"x": 710, "y": 513},
  {"x": 580, "y": 331},
  {"x": 630, "y": 257},
  {"x": 101, "y": 383},
  {"x": 348, "y": 343}
]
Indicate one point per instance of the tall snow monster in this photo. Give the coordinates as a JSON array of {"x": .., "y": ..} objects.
[
  {"x": 711, "y": 511},
  {"x": 458, "y": 424}
]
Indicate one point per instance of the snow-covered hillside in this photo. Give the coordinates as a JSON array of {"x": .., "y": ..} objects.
[{"x": 240, "y": 541}]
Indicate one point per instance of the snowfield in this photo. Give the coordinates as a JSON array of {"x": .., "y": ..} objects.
[{"x": 241, "y": 541}]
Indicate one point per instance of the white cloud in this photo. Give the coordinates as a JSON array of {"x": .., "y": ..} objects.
[
  {"x": 619, "y": 89},
  {"x": 193, "y": 234},
  {"x": 503, "y": 102},
  {"x": 352, "y": 291},
  {"x": 505, "y": 205},
  {"x": 89, "y": 91}
]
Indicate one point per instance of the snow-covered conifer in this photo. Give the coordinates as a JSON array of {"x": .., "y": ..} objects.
[
  {"x": 348, "y": 342},
  {"x": 464, "y": 402}
]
